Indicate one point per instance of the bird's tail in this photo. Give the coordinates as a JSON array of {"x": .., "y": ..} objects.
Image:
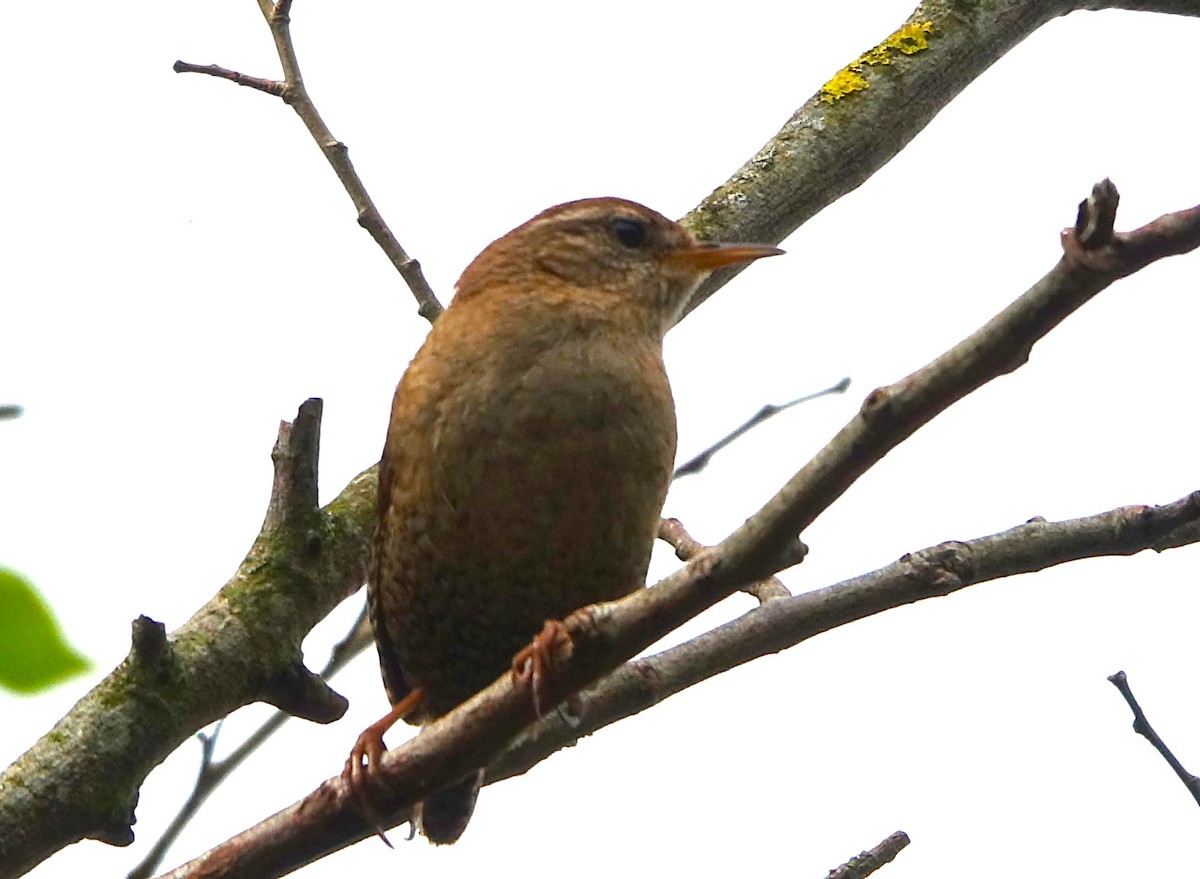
[{"x": 444, "y": 814}]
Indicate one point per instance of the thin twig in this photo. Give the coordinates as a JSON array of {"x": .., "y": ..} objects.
[
  {"x": 672, "y": 532},
  {"x": 870, "y": 861},
  {"x": 1142, "y": 727},
  {"x": 698, "y": 463},
  {"x": 270, "y": 86},
  {"x": 294, "y": 93}
]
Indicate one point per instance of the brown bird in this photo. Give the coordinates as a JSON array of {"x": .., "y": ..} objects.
[{"x": 528, "y": 456}]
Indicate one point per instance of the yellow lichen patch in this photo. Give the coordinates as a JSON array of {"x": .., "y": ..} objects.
[
  {"x": 843, "y": 83},
  {"x": 911, "y": 38},
  {"x": 908, "y": 40}
]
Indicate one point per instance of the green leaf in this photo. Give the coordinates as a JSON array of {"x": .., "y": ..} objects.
[{"x": 33, "y": 653}]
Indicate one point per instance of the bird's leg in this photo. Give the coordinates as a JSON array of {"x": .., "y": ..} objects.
[
  {"x": 549, "y": 647},
  {"x": 366, "y": 753}
]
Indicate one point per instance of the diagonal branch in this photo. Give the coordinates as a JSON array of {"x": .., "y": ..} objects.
[
  {"x": 214, "y": 772},
  {"x": 797, "y": 174},
  {"x": 830, "y": 146},
  {"x": 294, "y": 93},
  {"x": 1142, "y": 727},
  {"x": 241, "y": 647},
  {"x": 325, "y": 820},
  {"x": 928, "y": 573},
  {"x": 869, "y": 111},
  {"x": 767, "y": 412},
  {"x": 607, "y": 635},
  {"x": 870, "y": 861}
]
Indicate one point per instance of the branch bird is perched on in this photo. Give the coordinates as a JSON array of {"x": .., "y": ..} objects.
[{"x": 527, "y": 460}]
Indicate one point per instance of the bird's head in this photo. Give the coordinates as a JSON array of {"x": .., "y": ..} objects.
[{"x": 608, "y": 250}]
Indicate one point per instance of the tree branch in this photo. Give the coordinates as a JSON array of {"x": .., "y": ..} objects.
[
  {"x": 606, "y": 635},
  {"x": 800, "y": 171},
  {"x": 1142, "y": 727},
  {"x": 869, "y": 111},
  {"x": 869, "y": 861},
  {"x": 214, "y": 772},
  {"x": 778, "y": 625},
  {"x": 767, "y": 412},
  {"x": 81, "y": 779},
  {"x": 294, "y": 94},
  {"x": 671, "y": 531},
  {"x": 327, "y": 820}
]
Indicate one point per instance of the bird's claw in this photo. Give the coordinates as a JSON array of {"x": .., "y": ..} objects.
[
  {"x": 365, "y": 756},
  {"x": 550, "y": 646}
]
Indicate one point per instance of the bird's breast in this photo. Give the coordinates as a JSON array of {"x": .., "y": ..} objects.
[{"x": 526, "y": 481}]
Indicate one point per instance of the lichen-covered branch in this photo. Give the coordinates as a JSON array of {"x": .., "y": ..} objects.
[
  {"x": 81, "y": 779},
  {"x": 869, "y": 111},
  {"x": 214, "y": 772}
]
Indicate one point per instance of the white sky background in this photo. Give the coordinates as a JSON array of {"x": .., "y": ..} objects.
[{"x": 181, "y": 269}]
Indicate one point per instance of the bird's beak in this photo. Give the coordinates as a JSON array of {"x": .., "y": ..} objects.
[{"x": 707, "y": 256}]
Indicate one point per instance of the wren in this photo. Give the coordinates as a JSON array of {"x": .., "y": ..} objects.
[{"x": 528, "y": 456}]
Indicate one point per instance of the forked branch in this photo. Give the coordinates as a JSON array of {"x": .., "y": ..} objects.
[
  {"x": 294, "y": 93},
  {"x": 607, "y": 635}
]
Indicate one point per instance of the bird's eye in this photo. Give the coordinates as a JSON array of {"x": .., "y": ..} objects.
[{"x": 631, "y": 233}]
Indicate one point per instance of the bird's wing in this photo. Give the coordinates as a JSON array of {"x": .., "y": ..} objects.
[{"x": 394, "y": 681}]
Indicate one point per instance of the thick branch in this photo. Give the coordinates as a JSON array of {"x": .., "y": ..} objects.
[
  {"x": 326, "y": 819},
  {"x": 82, "y": 778},
  {"x": 214, "y": 772},
  {"x": 606, "y": 635},
  {"x": 869, "y": 111}
]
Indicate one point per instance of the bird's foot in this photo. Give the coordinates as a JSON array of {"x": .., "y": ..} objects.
[
  {"x": 365, "y": 756},
  {"x": 550, "y": 647}
]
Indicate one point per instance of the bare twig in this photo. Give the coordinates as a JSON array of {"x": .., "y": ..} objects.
[
  {"x": 698, "y": 463},
  {"x": 270, "y": 86},
  {"x": 672, "y": 532},
  {"x": 606, "y": 635},
  {"x": 294, "y": 93},
  {"x": 1142, "y": 727},
  {"x": 870, "y": 861}
]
